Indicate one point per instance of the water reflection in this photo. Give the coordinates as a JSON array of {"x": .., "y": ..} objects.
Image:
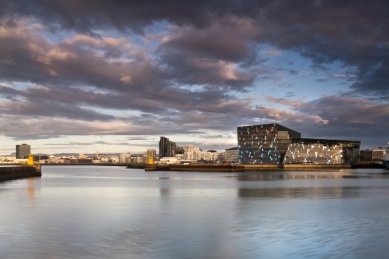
[
  {"x": 301, "y": 192},
  {"x": 30, "y": 189},
  {"x": 109, "y": 212},
  {"x": 274, "y": 175}
]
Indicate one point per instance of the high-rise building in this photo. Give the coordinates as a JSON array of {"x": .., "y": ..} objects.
[
  {"x": 264, "y": 144},
  {"x": 22, "y": 151},
  {"x": 151, "y": 156},
  {"x": 167, "y": 148}
]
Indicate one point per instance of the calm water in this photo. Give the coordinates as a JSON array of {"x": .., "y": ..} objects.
[{"x": 113, "y": 212}]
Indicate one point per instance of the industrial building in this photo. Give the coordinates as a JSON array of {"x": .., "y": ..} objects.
[{"x": 276, "y": 144}]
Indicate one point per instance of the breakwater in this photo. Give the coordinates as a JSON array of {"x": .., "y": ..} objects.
[
  {"x": 243, "y": 168},
  {"x": 19, "y": 172}
]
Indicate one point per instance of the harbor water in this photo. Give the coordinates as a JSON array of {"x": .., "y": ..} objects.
[{"x": 114, "y": 212}]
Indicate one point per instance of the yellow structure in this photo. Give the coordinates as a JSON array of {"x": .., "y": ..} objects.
[
  {"x": 150, "y": 161},
  {"x": 151, "y": 156},
  {"x": 30, "y": 161}
]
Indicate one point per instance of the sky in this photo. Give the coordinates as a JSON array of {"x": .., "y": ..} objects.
[{"x": 113, "y": 76}]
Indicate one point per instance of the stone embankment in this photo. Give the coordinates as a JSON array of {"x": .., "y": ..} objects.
[{"x": 19, "y": 172}]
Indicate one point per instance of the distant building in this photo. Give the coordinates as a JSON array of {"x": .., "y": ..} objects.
[
  {"x": 264, "y": 144},
  {"x": 167, "y": 148},
  {"x": 137, "y": 159},
  {"x": 231, "y": 155},
  {"x": 179, "y": 150},
  {"x": 151, "y": 156},
  {"x": 124, "y": 158},
  {"x": 191, "y": 148},
  {"x": 192, "y": 153},
  {"x": 365, "y": 156},
  {"x": 22, "y": 151},
  {"x": 276, "y": 144},
  {"x": 169, "y": 160},
  {"x": 378, "y": 153}
]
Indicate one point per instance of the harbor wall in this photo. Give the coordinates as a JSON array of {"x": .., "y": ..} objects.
[{"x": 18, "y": 172}]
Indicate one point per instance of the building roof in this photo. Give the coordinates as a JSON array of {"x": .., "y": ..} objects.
[
  {"x": 278, "y": 126},
  {"x": 324, "y": 141}
]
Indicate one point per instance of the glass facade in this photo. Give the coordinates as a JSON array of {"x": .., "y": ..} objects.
[
  {"x": 264, "y": 144},
  {"x": 167, "y": 148},
  {"x": 300, "y": 153},
  {"x": 322, "y": 151},
  {"x": 276, "y": 144}
]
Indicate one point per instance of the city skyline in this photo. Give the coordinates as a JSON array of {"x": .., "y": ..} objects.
[{"x": 82, "y": 76}]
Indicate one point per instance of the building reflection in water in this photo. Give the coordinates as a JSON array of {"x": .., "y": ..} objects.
[
  {"x": 31, "y": 189},
  {"x": 271, "y": 176},
  {"x": 299, "y": 190},
  {"x": 164, "y": 187}
]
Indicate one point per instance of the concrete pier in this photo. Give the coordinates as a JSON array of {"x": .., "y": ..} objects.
[{"x": 19, "y": 172}]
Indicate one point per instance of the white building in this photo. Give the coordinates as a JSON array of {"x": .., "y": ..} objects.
[
  {"x": 231, "y": 155},
  {"x": 137, "y": 159},
  {"x": 194, "y": 153},
  {"x": 169, "y": 160},
  {"x": 124, "y": 158},
  {"x": 378, "y": 153}
]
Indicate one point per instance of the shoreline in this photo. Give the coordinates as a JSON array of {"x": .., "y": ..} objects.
[
  {"x": 253, "y": 168},
  {"x": 245, "y": 168}
]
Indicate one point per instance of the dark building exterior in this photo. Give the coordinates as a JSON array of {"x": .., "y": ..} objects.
[
  {"x": 22, "y": 151},
  {"x": 167, "y": 148},
  {"x": 264, "y": 144},
  {"x": 276, "y": 144},
  {"x": 365, "y": 156},
  {"x": 179, "y": 150}
]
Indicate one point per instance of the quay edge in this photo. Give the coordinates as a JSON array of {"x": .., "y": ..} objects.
[
  {"x": 243, "y": 167},
  {"x": 19, "y": 172}
]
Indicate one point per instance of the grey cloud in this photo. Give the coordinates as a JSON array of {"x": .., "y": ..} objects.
[
  {"x": 49, "y": 108},
  {"x": 349, "y": 118},
  {"x": 87, "y": 15},
  {"x": 65, "y": 69},
  {"x": 209, "y": 47},
  {"x": 100, "y": 142},
  {"x": 355, "y": 33}
]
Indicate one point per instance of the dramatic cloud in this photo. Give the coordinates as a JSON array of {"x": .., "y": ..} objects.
[
  {"x": 79, "y": 67},
  {"x": 344, "y": 117}
]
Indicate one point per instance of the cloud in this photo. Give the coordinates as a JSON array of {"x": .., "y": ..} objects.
[
  {"x": 81, "y": 67},
  {"x": 348, "y": 118},
  {"x": 287, "y": 102}
]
